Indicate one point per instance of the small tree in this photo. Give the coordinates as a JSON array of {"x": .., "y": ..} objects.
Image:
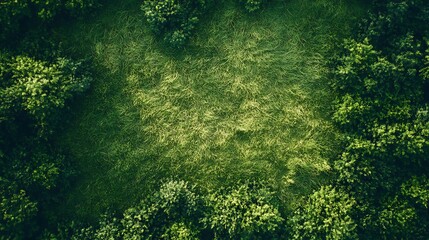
[
  {"x": 12, "y": 12},
  {"x": 325, "y": 215},
  {"x": 405, "y": 216},
  {"x": 246, "y": 212},
  {"x": 172, "y": 211},
  {"x": 39, "y": 88},
  {"x": 252, "y": 5},
  {"x": 174, "y": 20}
]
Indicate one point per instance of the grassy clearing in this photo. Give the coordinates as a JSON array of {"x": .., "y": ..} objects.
[{"x": 248, "y": 99}]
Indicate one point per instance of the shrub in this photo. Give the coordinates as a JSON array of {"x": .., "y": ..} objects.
[
  {"x": 32, "y": 93},
  {"x": 425, "y": 70},
  {"x": 16, "y": 208},
  {"x": 246, "y": 212},
  {"x": 28, "y": 176},
  {"x": 370, "y": 166},
  {"x": 404, "y": 216},
  {"x": 174, "y": 203},
  {"x": 179, "y": 231},
  {"x": 325, "y": 215},
  {"x": 40, "y": 89},
  {"x": 371, "y": 85},
  {"x": 75, "y": 231},
  {"x": 172, "y": 212},
  {"x": 174, "y": 20},
  {"x": 390, "y": 19},
  {"x": 252, "y": 5},
  {"x": 381, "y": 81},
  {"x": 356, "y": 168},
  {"x": 177, "y": 212},
  {"x": 417, "y": 190},
  {"x": 12, "y": 12},
  {"x": 45, "y": 9}
]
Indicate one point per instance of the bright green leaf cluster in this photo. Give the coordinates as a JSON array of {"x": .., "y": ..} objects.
[
  {"x": 176, "y": 211},
  {"x": 327, "y": 214},
  {"x": 243, "y": 213},
  {"x": 39, "y": 88},
  {"x": 175, "y": 20},
  {"x": 382, "y": 104},
  {"x": 252, "y": 5},
  {"x": 15, "y": 206}
]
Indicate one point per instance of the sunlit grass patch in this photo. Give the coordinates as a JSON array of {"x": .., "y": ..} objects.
[{"x": 247, "y": 99}]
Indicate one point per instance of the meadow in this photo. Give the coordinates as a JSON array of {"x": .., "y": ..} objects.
[{"x": 247, "y": 99}]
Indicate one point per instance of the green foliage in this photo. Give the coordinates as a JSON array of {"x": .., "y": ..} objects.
[
  {"x": 171, "y": 213},
  {"x": 392, "y": 19},
  {"x": 356, "y": 168},
  {"x": 109, "y": 228},
  {"x": 252, "y": 5},
  {"x": 371, "y": 84},
  {"x": 32, "y": 94},
  {"x": 28, "y": 176},
  {"x": 39, "y": 88},
  {"x": 425, "y": 70},
  {"x": 327, "y": 214},
  {"x": 370, "y": 165},
  {"x": 177, "y": 199},
  {"x": 417, "y": 189},
  {"x": 382, "y": 103},
  {"x": 179, "y": 231},
  {"x": 74, "y": 231},
  {"x": 404, "y": 216},
  {"x": 15, "y": 208},
  {"x": 175, "y": 20},
  {"x": 46, "y": 9},
  {"x": 176, "y": 211},
  {"x": 246, "y": 212},
  {"x": 10, "y": 11},
  {"x": 13, "y": 12},
  {"x": 396, "y": 221},
  {"x": 174, "y": 203}
]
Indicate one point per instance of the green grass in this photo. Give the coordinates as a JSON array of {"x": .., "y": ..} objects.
[{"x": 248, "y": 99}]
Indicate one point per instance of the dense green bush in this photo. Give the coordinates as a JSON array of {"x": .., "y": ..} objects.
[
  {"x": 39, "y": 89},
  {"x": 391, "y": 19},
  {"x": 28, "y": 175},
  {"x": 177, "y": 211},
  {"x": 32, "y": 95},
  {"x": 368, "y": 166},
  {"x": 246, "y": 212},
  {"x": 175, "y": 203},
  {"x": 252, "y": 5},
  {"x": 404, "y": 216},
  {"x": 327, "y": 214},
  {"x": 180, "y": 231},
  {"x": 381, "y": 79},
  {"x": 174, "y": 20},
  {"x": 371, "y": 84},
  {"x": 425, "y": 70},
  {"x": 16, "y": 208},
  {"x": 33, "y": 173},
  {"x": 10, "y": 12},
  {"x": 171, "y": 213},
  {"x": 15, "y": 16}
]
